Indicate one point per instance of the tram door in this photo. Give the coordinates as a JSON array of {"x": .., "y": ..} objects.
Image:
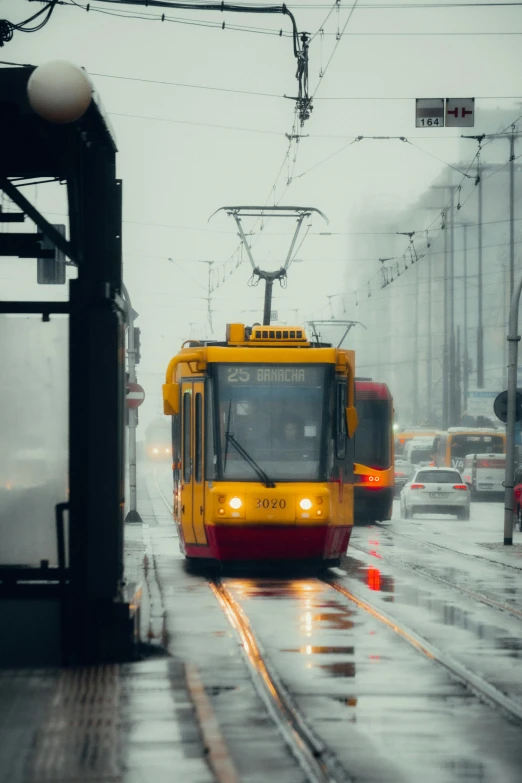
[{"x": 192, "y": 486}]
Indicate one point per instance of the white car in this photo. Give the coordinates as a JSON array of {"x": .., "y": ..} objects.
[{"x": 435, "y": 491}]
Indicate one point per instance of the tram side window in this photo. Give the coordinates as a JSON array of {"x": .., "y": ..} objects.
[
  {"x": 198, "y": 462},
  {"x": 340, "y": 435},
  {"x": 186, "y": 438}
]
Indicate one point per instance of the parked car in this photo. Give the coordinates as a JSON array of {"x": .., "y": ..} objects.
[
  {"x": 435, "y": 490},
  {"x": 403, "y": 472}
]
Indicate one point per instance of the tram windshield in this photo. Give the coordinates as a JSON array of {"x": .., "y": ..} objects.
[
  {"x": 373, "y": 435},
  {"x": 275, "y": 414}
]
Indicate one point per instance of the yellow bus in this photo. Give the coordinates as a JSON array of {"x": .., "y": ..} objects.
[
  {"x": 450, "y": 448},
  {"x": 263, "y": 447}
]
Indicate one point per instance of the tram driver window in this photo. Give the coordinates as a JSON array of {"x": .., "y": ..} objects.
[{"x": 340, "y": 434}]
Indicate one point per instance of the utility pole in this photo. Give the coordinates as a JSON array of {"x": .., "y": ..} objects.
[
  {"x": 133, "y": 514},
  {"x": 457, "y": 398},
  {"x": 513, "y": 339},
  {"x": 429, "y": 369},
  {"x": 480, "y": 327},
  {"x": 512, "y": 212},
  {"x": 465, "y": 374},
  {"x": 416, "y": 352},
  {"x": 452, "y": 364},
  {"x": 447, "y": 384}
]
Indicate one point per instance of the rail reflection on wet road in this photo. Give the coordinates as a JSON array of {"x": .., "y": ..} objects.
[
  {"x": 388, "y": 711},
  {"x": 335, "y": 657}
]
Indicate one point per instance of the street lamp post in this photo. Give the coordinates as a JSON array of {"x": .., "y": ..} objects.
[
  {"x": 448, "y": 352},
  {"x": 133, "y": 514},
  {"x": 429, "y": 369},
  {"x": 465, "y": 362},
  {"x": 513, "y": 339}
]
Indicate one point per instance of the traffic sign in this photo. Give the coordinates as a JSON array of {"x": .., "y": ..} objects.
[
  {"x": 429, "y": 112},
  {"x": 135, "y": 395},
  {"x": 480, "y": 402},
  {"x": 460, "y": 112},
  {"x": 501, "y": 403}
]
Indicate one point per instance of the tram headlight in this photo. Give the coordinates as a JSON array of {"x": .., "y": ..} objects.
[
  {"x": 155, "y": 451},
  {"x": 235, "y": 503},
  {"x": 305, "y": 504}
]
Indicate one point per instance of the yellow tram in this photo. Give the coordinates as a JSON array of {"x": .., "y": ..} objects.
[{"x": 263, "y": 447}]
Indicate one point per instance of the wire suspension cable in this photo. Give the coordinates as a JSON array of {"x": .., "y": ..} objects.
[{"x": 301, "y": 41}]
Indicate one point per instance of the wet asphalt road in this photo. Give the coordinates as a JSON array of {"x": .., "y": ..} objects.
[{"x": 388, "y": 711}]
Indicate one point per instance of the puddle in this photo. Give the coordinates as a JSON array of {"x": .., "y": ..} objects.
[
  {"x": 340, "y": 669},
  {"x": 348, "y": 701},
  {"x": 335, "y": 620},
  {"x": 371, "y": 576}
]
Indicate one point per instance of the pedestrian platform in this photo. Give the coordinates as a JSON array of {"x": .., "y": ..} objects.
[{"x": 129, "y": 722}]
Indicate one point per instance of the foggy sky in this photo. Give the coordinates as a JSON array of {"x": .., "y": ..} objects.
[{"x": 176, "y": 174}]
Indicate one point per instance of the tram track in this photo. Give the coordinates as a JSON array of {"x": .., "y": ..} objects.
[
  {"x": 479, "y": 686},
  {"x": 473, "y": 594},
  {"x": 318, "y": 763},
  {"x": 162, "y": 495},
  {"x": 312, "y": 755},
  {"x": 423, "y": 542}
]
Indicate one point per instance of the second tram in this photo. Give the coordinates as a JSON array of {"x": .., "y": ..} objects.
[
  {"x": 374, "y": 468},
  {"x": 263, "y": 444}
]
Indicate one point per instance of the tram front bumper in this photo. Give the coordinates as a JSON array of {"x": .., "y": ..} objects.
[{"x": 277, "y": 542}]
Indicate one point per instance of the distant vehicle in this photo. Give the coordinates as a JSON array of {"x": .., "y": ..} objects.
[
  {"x": 373, "y": 468},
  {"x": 419, "y": 450},
  {"x": 158, "y": 441},
  {"x": 517, "y": 498},
  {"x": 402, "y": 438},
  {"x": 435, "y": 490},
  {"x": 451, "y": 447},
  {"x": 484, "y": 474},
  {"x": 403, "y": 472}
]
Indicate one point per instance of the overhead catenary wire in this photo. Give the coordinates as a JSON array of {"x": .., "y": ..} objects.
[
  {"x": 301, "y": 41},
  {"x": 337, "y": 42},
  {"x": 7, "y": 28},
  {"x": 456, "y": 188}
]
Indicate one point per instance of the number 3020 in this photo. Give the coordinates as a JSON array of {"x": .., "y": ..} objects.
[{"x": 274, "y": 503}]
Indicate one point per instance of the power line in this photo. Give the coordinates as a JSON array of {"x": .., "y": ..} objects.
[
  {"x": 301, "y": 41},
  {"x": 8, "y": 28},
  {"x": 197, "y": 124},
  {"x": 279, "y": 96},
  {"x": 337, "y": 42}
]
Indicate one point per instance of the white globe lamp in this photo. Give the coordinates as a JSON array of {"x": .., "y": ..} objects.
[{"x": 59, "y": 92}]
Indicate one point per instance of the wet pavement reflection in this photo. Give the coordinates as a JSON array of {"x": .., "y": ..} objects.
[{"x": 330, "y": 652}]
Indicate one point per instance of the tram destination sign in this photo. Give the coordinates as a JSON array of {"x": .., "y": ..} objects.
[{"x": 266, "y": 375}]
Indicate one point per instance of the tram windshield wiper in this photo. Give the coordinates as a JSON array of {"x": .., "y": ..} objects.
[{"x": 253, "y": 464}]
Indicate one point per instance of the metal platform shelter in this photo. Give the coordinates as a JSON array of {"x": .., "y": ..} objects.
[{"x": 73, "y": 611}]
